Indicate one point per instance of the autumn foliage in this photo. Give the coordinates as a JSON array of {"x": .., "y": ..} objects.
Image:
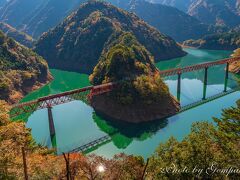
[{"x": 205, "y": 145}]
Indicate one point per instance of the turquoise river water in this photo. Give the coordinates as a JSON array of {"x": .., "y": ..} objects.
[{"x": 76, "y": 123}]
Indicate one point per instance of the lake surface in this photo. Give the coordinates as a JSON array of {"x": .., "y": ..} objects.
[{"x": 76, "y": 123}]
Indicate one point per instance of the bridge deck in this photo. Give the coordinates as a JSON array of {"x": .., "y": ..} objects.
[
  {"x": 196, "y": 67},
  {"x": 101, "y": 140},
  {"x": 90, "y": 91},
  {"x": 92, "y": 144}
]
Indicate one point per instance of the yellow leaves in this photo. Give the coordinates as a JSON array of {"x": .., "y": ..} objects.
[
  {"x": 236, "y": 53},
  {"x": 16, "y": 133},
  {"x": 4, "y": 109},
  {"x": 150, "y": 88},
  {"x": 141, "y": 67},
  {"x": 235, "y": 66},
  {"x": 27, "y": 75}
]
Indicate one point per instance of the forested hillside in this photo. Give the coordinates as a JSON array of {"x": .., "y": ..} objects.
[
  {"x": 145, "y": 97},
  {"x": 77, "y": 43},
  {"x": 42, "y": 15},
  {"x": 36, "y": 16},
  {"x": 235, "y": 67},
  {"x": 218, "y": 144},
  {"x": 169, "y": 20},
  {"x": 182, "y": 5},
  {"x": 221, "y": 41},
  {"x": 16, "y": 12},
  {"x": 20, "y": 37},
  {"x": 217, "y": 12},
  {"x": 21, "y": 70}
]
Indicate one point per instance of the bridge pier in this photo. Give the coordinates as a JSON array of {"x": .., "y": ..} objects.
[
  {"x": 205, "y": 83},
  {"x": 42, "y": 103},
  {"x": 51, "y": 123},
  {"x": 179, "y": 87},
  {"x": 226, "y": 77}
]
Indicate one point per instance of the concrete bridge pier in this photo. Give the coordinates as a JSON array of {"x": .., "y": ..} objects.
[
  {"x": 226, "y": 77},
  {"x": 205, "y": 83},
  {"x": 179, "y": 87},
  {"x": 51, "y": 122}
]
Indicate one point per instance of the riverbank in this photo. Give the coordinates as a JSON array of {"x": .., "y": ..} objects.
[{"x": 76, "y": 123}]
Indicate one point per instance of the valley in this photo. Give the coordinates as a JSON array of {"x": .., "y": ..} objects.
[
  {"x": 131, "y": 141},
  {"x": 119, "y": 89}
]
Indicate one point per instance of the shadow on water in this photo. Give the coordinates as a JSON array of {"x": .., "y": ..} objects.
[{"x": 123, "y": 133}]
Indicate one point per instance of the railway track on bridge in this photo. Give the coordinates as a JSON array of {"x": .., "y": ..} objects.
[
  {"x": 90, "y": 91},
  {"x": 97, "y": 142},
  {"x": 85, "y": 147},
  {"x": 176, "y": 71},
  {"x": 209, "y": 99}
]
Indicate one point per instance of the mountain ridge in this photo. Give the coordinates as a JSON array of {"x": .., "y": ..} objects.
[
  {"x": 20, "y": 37},
  {"x": 220, "y": 41},
  {"x": 41, "y": 16},
  {"x": 92, "y": 25},
  {"x": 217, "y": 12}
]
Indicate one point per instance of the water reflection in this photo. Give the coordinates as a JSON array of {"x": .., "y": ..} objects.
[
  {"x": 216, "y": 75},
  {"x": 63, "y": 81},
  {"x": 123, "y": 133},
  {"x": 76, "y": 122}
]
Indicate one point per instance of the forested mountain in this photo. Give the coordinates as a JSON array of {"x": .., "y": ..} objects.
[
  {"x": 20, "y": 37},
  {"x": 168, "y": 20},
  {"x": 48, "y": 15},
  {"x": 77, "y": 43},
  {"x": 221, "y": 41},
  {"x": 21, "y": 70},
  {"x": 41, "y": 15},
  {"x": 183, "y": 5},
  {"x": 36, "y": 16},
  {"x": 16, "y": 11},
  {"x": 219, "y": 12}
]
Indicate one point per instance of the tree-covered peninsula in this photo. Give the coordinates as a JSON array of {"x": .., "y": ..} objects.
[{"x": 141, "y": 94}]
